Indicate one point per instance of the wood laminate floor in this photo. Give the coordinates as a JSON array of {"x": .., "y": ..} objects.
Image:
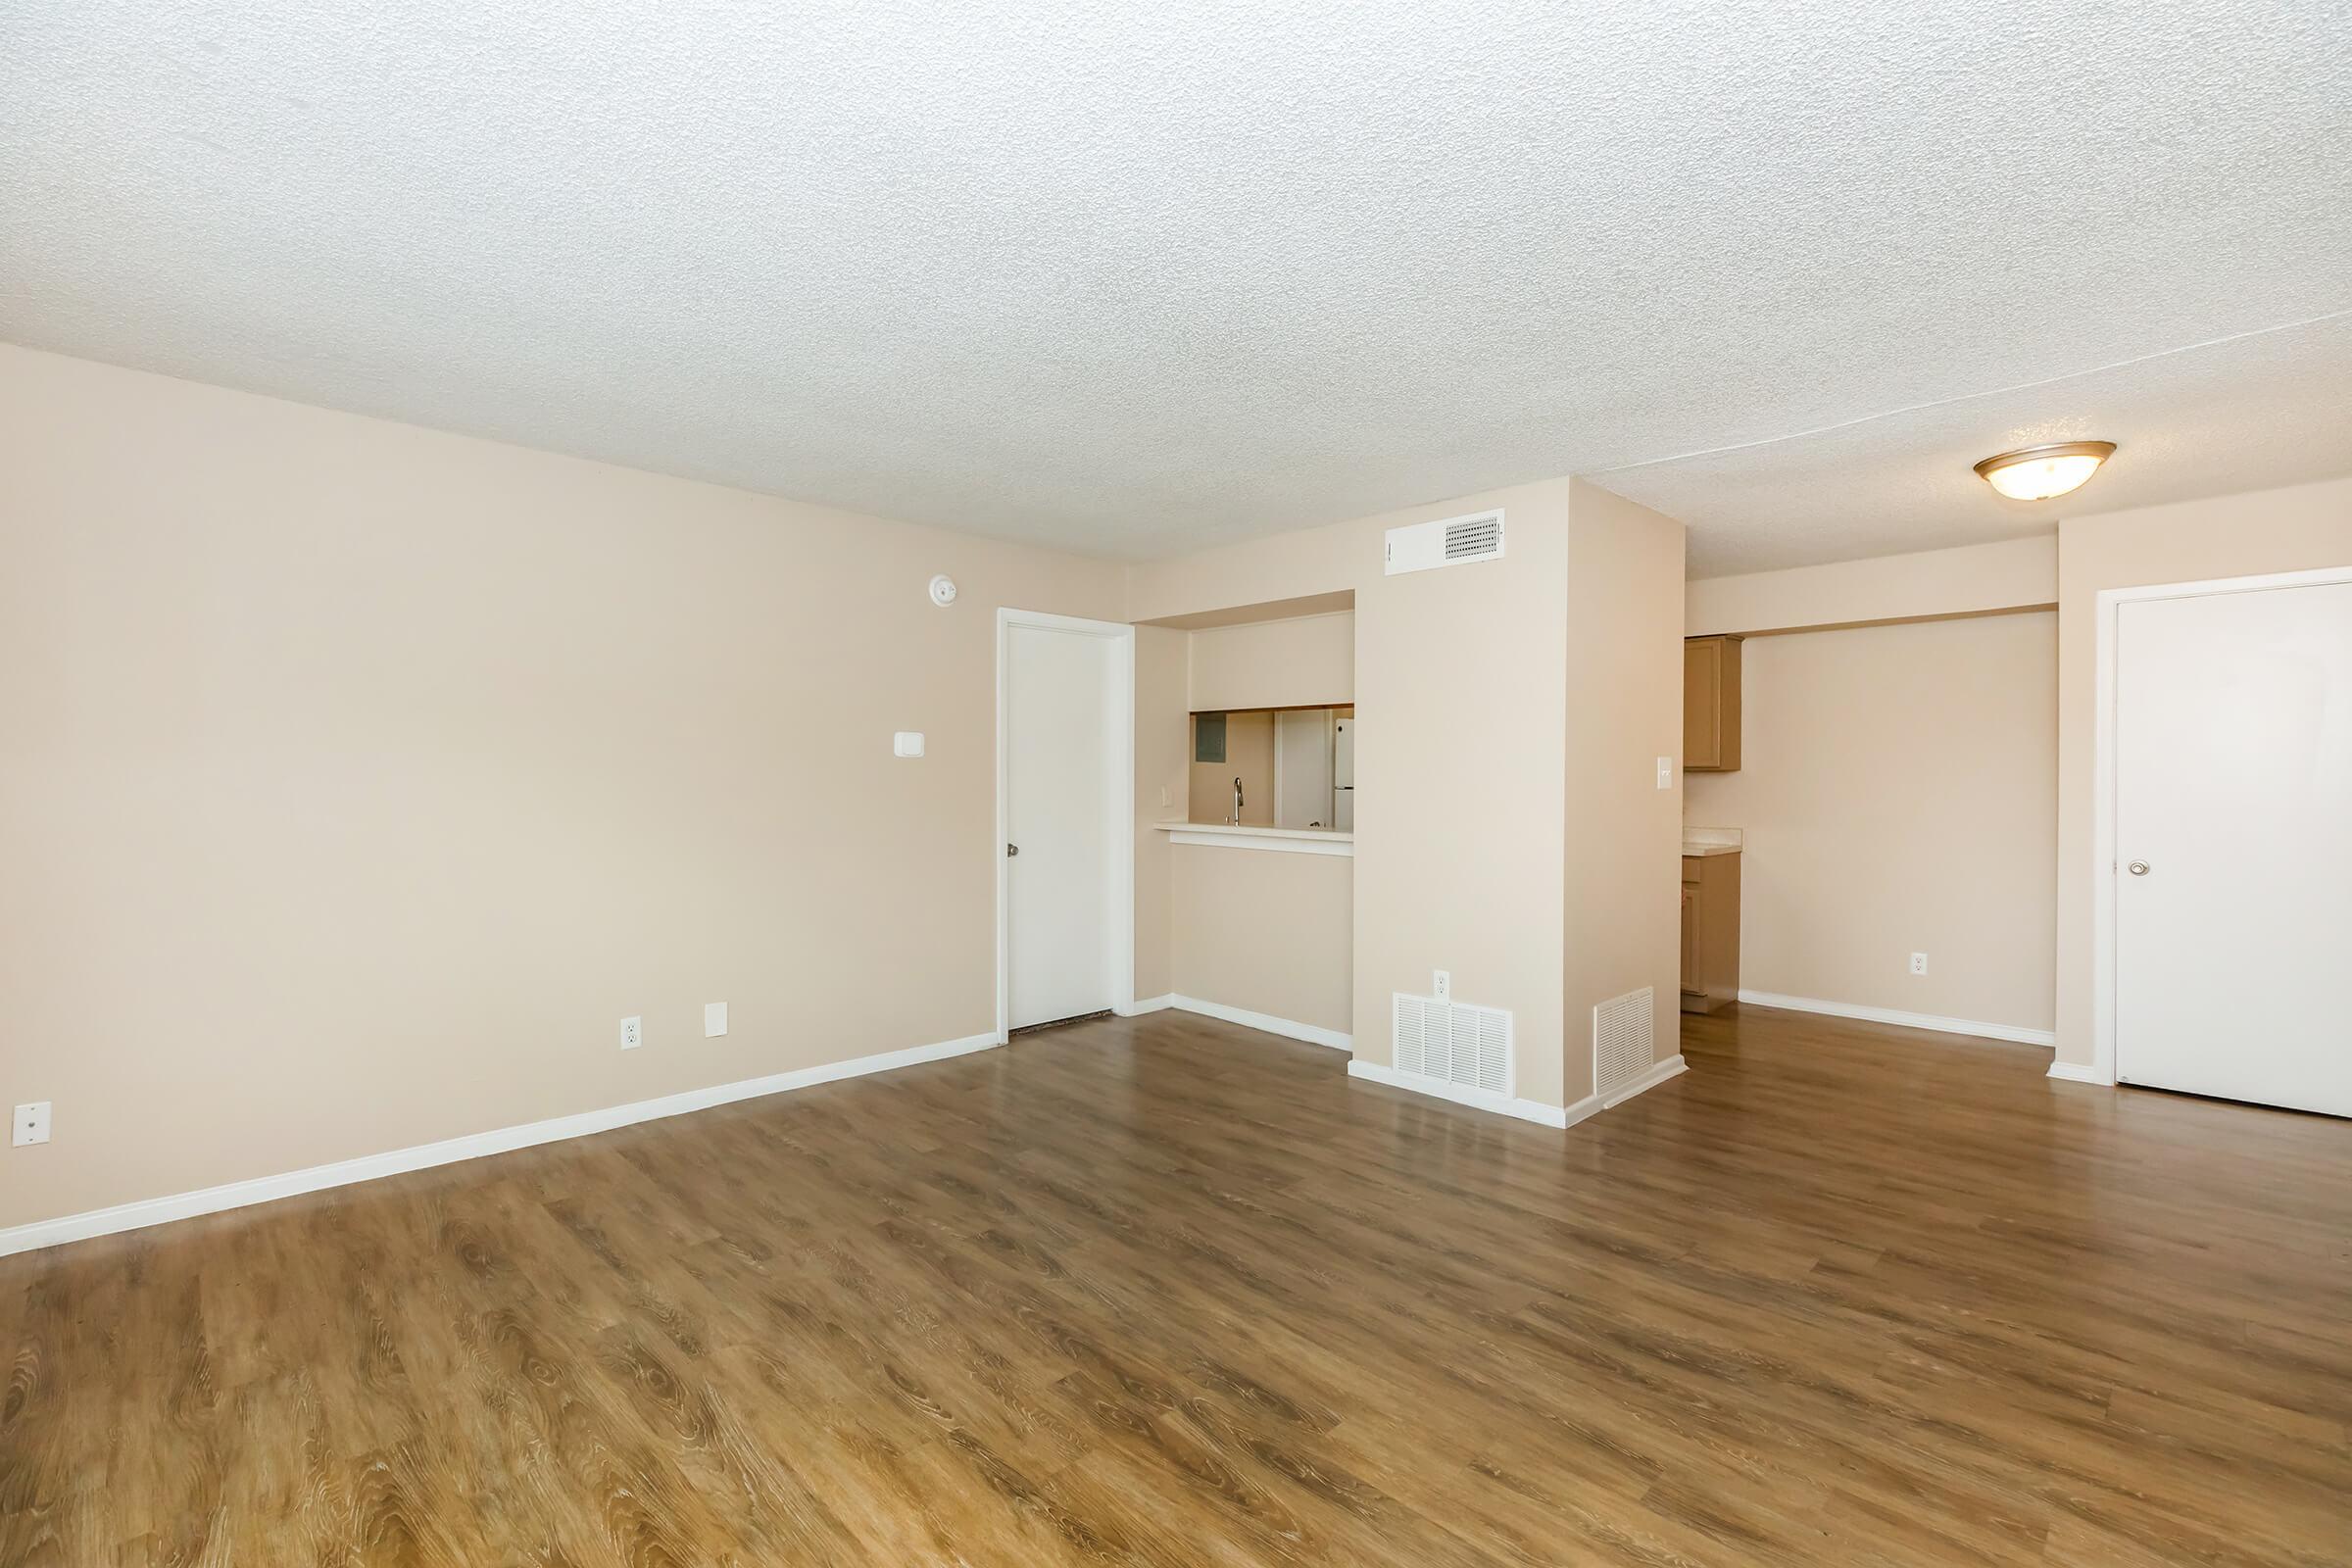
[{"x": 1168, "y": 1292}]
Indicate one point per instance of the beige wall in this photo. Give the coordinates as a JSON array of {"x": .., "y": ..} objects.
[
  {"x": 356, "y": 780},
  {"x": 1461, "y": 694},
  {"x": 1162, "y": 767},
  {"x": 1249, "y": 758},
  {"x": 1898, "y": 790},
  {"x": 1270, "y": 938},
  {"x": 1973, "y": 581},
  {"x": 1457, "y": 846},
  {"x": 1270, "y": 932},
  {"x": 1622, "y": 834},
  {"x": 2296, "y": 528},
  {"x": 1462, "y": 825},
  {"x": 1305, "y": 663},
  {"x": 1314, "y": 564}
]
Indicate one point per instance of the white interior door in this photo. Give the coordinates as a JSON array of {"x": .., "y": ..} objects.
[
  {"x": 1058, "y": 705},
  {"x": 2234, "y": 845}
]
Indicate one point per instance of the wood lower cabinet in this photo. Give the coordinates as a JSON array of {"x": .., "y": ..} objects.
[
  {"x": 1689, "y": 931},
  {"x": 1710, "y": 705},
  {"x": 1711, "y": 931}
]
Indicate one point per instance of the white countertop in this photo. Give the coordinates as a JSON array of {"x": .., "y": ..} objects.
[
  {"x": 1246, "y": 836},
  {"x": 1713, "y": 839}
]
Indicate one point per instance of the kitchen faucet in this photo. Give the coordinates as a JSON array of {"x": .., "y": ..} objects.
[{"x": 1236, "y": 817}]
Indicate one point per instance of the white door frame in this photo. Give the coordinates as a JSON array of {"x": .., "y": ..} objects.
[
  {"x": 1120, "y": 732},
  {"x": 2104, "y": 784}
]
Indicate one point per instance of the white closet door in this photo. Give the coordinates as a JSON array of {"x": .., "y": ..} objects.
[
  {"x": 2234, "y": 845},
  {"x": 1059, "y": 700}
]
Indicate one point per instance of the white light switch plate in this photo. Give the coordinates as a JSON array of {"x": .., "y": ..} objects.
[
  {"x": 1665, "y": 772},
  {"x": 33, "y": 1123},
  {"x": 906, "y": 743},
  {"x": 714, "y": 1019}
]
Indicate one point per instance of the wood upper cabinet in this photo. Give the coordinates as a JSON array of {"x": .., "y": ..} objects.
[{"x": 1710, "y": 705}]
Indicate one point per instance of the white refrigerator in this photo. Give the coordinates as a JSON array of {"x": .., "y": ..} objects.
[{"x": 1342, "y": 775}]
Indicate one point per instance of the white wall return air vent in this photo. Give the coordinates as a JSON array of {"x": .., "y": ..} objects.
[
  {"x": 1452, "y": 1042},
  {"x": 1622, "y": 1040},
  {"x": 1448, "y": 542}
]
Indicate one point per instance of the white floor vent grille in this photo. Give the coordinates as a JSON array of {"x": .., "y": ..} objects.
[
  {"x": 1454, "y": 1041},
  {"x": 1622, "y": 1039}
]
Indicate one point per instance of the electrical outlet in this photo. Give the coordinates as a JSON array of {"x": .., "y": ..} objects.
[
  {"x": 1919, "y": 963},
  {"x": 33, "y": 1123},
  {"x": 632, "y": 1033},
  {"x": 1440, "y": 984},
  {"x": 714, "y": 1019},
  {"x": 1665, "y": 772}
]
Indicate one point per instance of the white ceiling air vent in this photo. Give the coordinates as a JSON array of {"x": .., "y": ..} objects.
[
  {"x": 1622, "y": 1041},
  {"x": 1453, "y": 1043},
  {"x": 1448, "y": 542}
]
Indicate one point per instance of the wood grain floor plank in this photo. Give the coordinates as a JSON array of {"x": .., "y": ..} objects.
[{"x": 1165, "y": 1291}]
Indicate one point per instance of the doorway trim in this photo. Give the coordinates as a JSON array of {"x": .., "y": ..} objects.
[
  {"x": 2104, "y": 784},
  {"x": 1120, "y": 735}
]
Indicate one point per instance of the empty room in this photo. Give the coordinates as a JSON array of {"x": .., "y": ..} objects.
[{"x": 1426, "y": 786}]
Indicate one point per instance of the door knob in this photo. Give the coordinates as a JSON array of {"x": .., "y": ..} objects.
[
  {"x": 2137, "y": 868},
  {"x": 1012, "y": 850}
]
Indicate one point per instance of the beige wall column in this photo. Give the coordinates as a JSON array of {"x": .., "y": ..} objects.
[
  {"x": 1621, "y": 834},
  {"x": 1162, "y": 763},
  {"x": 1460, "y": 688}
]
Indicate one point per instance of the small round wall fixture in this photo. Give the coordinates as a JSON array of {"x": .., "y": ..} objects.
[
  {"x": 2037, "y": 473},
  {"x": 943, "y": 590}
]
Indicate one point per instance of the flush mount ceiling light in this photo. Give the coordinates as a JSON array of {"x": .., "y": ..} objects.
[{"x": 2036, "y": 473}]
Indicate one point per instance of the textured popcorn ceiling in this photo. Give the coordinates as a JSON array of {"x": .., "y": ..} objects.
[{"x": 1132, "y": 278}]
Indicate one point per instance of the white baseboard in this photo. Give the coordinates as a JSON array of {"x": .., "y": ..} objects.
[
  {"x": 1672, "y": 1067},
  {"x": 450, "y": 1150},
  {"x": 1476, "y": 1098},
  {"x": 1594, "y": 1104},
  {"x": 1312, "y": 1034},
  {"x": 1907, "y": 1020},
  {"x": 1534, "y": 1110},
  {"x": 1160, "y": 1003},
  {"x": 2076, "y": 1073}
]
